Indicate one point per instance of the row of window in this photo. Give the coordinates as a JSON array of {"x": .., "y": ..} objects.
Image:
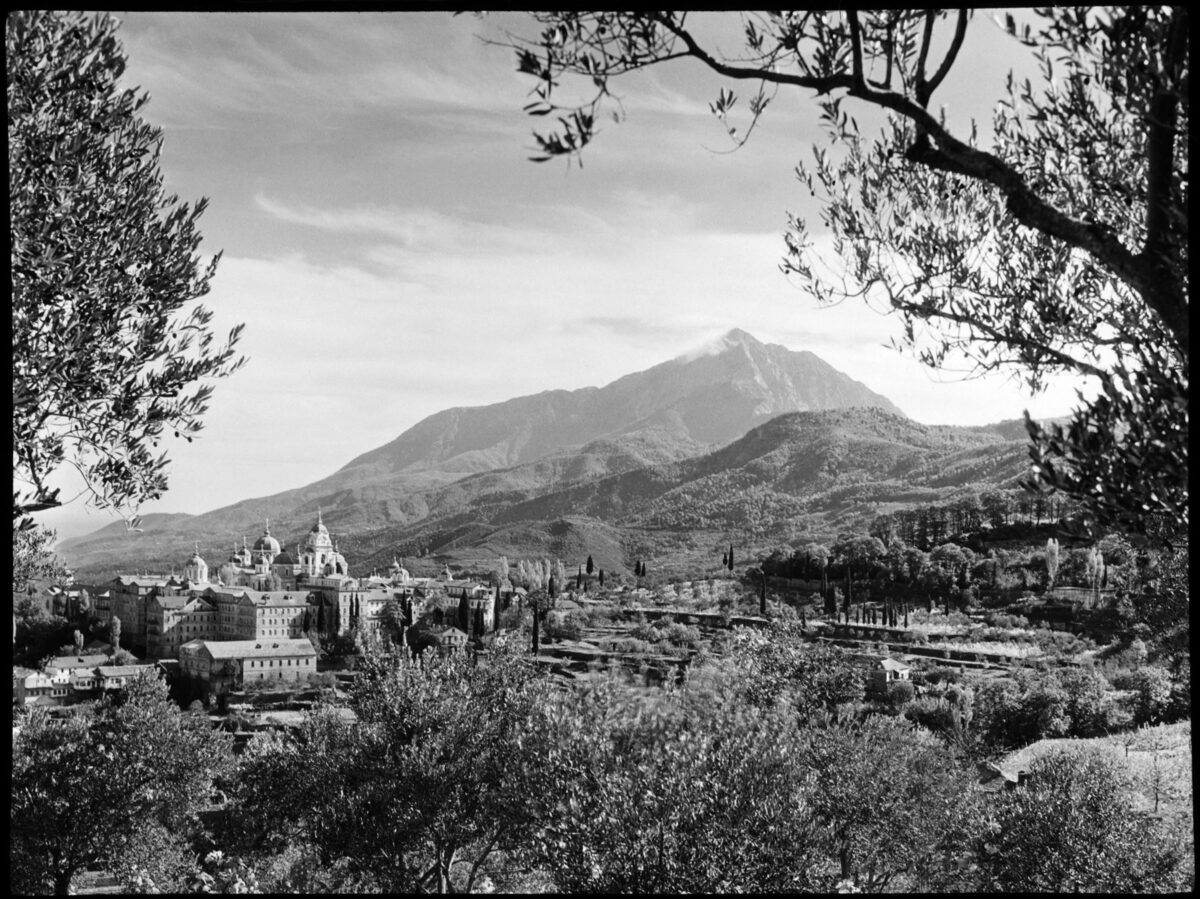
[{"x": 270, "y": 663}]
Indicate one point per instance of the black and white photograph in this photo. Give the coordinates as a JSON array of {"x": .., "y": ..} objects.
[{"x": 600, "y": 452}]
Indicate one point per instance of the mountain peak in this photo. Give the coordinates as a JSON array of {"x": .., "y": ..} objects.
[{"x": 734, "y": 337}]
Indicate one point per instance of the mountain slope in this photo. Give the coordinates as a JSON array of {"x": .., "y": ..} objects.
[
  {"x": 522, "y": 447},
  {"x": 814, "y": 473}
]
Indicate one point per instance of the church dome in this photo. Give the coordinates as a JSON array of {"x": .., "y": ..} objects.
[
  {"x": 284, "y": 558},
  {"x": 196, "y": 570},
  {"x": 267, "y": 544}
]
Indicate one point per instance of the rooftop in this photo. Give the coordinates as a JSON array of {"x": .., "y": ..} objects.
[
  {"x": 121, "y": 670},
  {"x": 249, "y": 649},
  {"x": 66, "y": 663}
]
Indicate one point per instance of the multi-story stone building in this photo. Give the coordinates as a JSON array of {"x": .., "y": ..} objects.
[
  {"x": 172, "y": 621},
  {"x": 223, "y": 665},
  {"x": 129, "y": 599}
]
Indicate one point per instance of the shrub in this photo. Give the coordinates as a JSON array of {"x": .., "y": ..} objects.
[
  {"x": 900, "y": 693},
  {"x": 931, "y": 714},
  {"x": 1005, "y": 620},
  {"x": 941, "y": 674},
  {"x": 1152, "y": 699},
  {"x": 1086, "y": 702},
  {"x": 633, "y": 645}
]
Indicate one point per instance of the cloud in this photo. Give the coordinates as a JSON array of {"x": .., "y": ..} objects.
[{"x": 410, "y": 227}]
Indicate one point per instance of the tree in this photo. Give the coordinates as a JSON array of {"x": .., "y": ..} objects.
[
  {"x": 105, "y": 362},
  {"x": 1086, "y": 697},
  {"x": 1152, "y": 694},
  {"x": 34, "y": 557},
  {"x": 777, "y": 664},
  {"x": 1074, "y": 827},
  {"x": 694, "y": 792},
  {"x": 1061, "y": 247},
  {"x": 445, "y": 762},
  {"x": 114, "y": 632},
  {"x": 888, "y": 801},
  {"x": 590, "y": 567},
  {"x": 1051, "y": 561},
  {"x": 227, "y": 574},
  {"x": 93, "y": 788}
]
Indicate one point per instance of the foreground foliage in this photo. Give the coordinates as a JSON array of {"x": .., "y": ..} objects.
[
  {"x": 433, "y": 778},
  {"x": 1074, "y": 828},
  {"x": 115, "y": 787},
  {"x": 104, "y": 264}
]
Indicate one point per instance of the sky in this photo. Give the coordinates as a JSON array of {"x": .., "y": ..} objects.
[{"x": 393, "y": 252}]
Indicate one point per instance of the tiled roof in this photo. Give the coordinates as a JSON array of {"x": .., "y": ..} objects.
[
  {"x": 66, "y": 663},
  {"x": 121, "y": 670},
  {"x": 252, "y": 649},
  {"x": 893, "y": 665},
  {"x": 272, "y": 598},
  {"x": 133, "y": 581}
]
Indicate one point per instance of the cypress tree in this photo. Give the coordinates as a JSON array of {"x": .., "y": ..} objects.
[
  {"x": 535, "y": 626},
  {"x": 590, "y": 566},
  {"x": 731, "y": 557},
  {"x": 601, "y": 577}
]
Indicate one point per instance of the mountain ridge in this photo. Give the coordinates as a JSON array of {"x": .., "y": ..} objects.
[{"x": 516, "y": 451}]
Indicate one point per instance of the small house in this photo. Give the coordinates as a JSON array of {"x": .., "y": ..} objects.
[
  {"x": 448, "y": 639},
  {"x": 887, "y": 671}
]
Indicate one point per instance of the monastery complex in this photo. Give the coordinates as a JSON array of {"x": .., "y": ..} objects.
[{"x": 256, "y": 619}]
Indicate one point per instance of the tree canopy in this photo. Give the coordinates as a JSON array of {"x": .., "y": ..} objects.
[
  {"x": 107, "y": 355},
  {"x": 1060, "y": 247},
  {"x": 110, "y": 787}
]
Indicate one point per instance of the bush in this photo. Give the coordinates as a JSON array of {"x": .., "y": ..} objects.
[
  {"x": 1152, "y": 686},
  {"x": 941, "y": 674},
  {"x": 1005, "y": 620},
  {"x": 900, "y": 693},
  {"x": 931, "y": 714},
  {"x": 633, "y": 645},
  {"x": 1086, "y": 702}
]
